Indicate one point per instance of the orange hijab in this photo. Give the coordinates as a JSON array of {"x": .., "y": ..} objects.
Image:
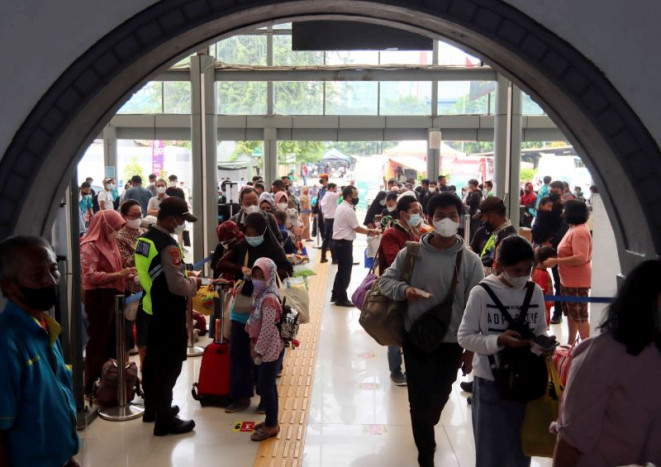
[{"x": 102, "y": 225}]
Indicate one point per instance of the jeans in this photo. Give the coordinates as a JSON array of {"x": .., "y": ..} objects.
[
  {"x": 430, "y": 377},
  {"x": 268, "y": 389},
  {"x": 394, "y": 359},
  {"x": 328, "y": 239},
  {"x": 497, "y": 427},
  {"x": 241, "y": 365},
  {"x": 344, "y": 257}
]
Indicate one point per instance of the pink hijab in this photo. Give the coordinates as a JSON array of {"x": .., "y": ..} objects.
[
  {"x": 103, "y": 223},
  {"x": 279, "y": 195}
]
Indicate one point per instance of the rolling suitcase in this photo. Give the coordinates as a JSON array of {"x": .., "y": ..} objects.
[{"x": 213, "y": 387}]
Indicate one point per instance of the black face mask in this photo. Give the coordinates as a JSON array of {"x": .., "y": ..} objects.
[
  {"x": 39, "y": 299},
  {"x": 488, "y": 225},
  {"x": 554, "y": 197},
  {"x": 355, "y": 201}
]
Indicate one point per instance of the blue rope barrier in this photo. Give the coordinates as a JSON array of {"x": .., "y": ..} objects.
[
  {"x": 133, "y": 298},
  {"x": 199, "y": 265},
  {"x": 562, "y": 298}
]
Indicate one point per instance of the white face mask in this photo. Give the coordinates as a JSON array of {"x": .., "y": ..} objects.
[
  {"x": 251, "y": 209},
  {"x": 160, "y": 190},
  {"x": 282, "y": 206},
  {"x": 391, "y": 208},
  {"x": 517, "y": 282},
  {"x": 134, "y": 223},
  {"x": 178, "y": 230},
  {"x": 173, "y": 184},
  {"x": 432, "y": 189},
  {"x": 446, "y": 227}
]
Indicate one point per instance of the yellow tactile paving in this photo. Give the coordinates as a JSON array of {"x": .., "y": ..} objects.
[{"x": 295, "y": 385}]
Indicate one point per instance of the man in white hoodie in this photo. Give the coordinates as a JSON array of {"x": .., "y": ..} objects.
[{"x": 431, "y": 375}]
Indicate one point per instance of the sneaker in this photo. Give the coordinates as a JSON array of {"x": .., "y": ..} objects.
[
  {"x": 398, "y": 379},
  {"x": 466, "y": 386},
  {"x": 323, "y": 260},
  {"x": 237, "y": 406}
]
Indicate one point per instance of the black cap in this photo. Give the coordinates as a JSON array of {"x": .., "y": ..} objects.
[{"x": 175, "y": 206}]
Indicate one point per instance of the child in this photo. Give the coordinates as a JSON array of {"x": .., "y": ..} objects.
[
  {"x": 543, "y": 279},
  {"x": 266, "y": 346}
]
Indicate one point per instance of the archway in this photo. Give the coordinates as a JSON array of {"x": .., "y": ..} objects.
[{"x": 616, "y": 146}]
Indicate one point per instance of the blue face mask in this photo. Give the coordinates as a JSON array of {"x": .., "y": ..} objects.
[
  {"x": 255, "y": 241},
  {"x": 414, "y": 220}
]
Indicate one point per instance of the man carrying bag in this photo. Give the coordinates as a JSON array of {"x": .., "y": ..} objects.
[{"x": 432, "y": 360}]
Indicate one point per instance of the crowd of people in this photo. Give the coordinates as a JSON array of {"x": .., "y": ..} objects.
[{"x": 609, "y": 414}]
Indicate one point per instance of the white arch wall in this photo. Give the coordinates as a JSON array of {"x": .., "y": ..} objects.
[{"x": 40, "y": 39}]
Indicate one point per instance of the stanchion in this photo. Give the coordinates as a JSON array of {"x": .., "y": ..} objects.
[
  {"x": 124, "y": 410},
  {"x": 193, "y": 350}
]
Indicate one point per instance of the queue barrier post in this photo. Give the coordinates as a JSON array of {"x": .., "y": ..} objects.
[
  {"x": 124, "y": 410},
  {"x": 467, "y": 228},
  {"x": 192, "y": 350}
]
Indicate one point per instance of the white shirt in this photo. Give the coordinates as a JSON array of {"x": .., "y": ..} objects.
[
  {"x": 106, "y": 196},
  {"x": 346, "y": 222},
  {"x": 329, "y": 204}
]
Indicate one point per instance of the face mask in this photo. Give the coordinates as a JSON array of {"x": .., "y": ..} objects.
[
  {"x": 110, "y": 187},
  {"x": 282, "y": 206},
  {"x": 258, "y": 284},
  {"x": 178, "y": 230},
  {"x": 446, "y": 227},
  {"x": 517, "y": 282},
  {"x": 251, "y": 209},
  {"x": 160, "y": 190},
  {"x": 390, "y": 208},
  {"x": 414, "y": 220},
  {"x": 134, "y": 223},
  {"x": 554, "y": 197},
  {"x": 39, "y": 299},
  {"x": 355, "y": 201},
  {"x": 488, "y": 225},
  {"x": 382, "y": 202},
  {"x": 255, "y": 241},
  {"x": 173, "y": 184},
  {"x": 432, "y": 189}
]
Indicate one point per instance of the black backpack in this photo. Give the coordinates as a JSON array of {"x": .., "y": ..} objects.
[{"x": 520, "y": 375}]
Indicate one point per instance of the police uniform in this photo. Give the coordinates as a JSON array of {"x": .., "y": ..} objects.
[{"x": 162, "y": 273}]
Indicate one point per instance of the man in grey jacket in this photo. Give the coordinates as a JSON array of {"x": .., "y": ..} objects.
[{"x": 431, "y": 375}]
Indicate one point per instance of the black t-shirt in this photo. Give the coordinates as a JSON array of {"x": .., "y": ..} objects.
[
  {"x": 473, "y": 201},
  {"x": 481, "y": 238}
]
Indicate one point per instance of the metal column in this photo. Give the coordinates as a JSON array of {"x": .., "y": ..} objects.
[
  {"x": 514, "y": 155},
  {"x": 110, "y": 148},
  {"x": 204, "y": 137},
  {"x": 500, "y": 137},
  {"x": 270, "y": 156},
  {"x": 434, "y": 139}
]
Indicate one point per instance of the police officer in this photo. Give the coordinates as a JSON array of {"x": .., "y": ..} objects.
[{"x": 163, "y": 276}]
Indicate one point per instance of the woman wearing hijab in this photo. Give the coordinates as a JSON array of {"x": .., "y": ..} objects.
[
  {"x": 266, "y": 346},
  {"x": 375, "y": 209},
  {"x": 260, "y": 242},
  {"x": 103, "y": 277},
  {"x": 306, "y": 210},
  {"x": 267, "y": 203}
]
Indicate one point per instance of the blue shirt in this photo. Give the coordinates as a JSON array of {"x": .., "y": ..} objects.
[{"x": 37, "y": 408}]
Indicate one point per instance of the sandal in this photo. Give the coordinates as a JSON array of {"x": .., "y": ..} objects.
[{"x": 262, "y": 434}]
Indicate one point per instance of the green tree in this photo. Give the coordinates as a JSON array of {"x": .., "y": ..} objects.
[{"x": 132, "y": 168}]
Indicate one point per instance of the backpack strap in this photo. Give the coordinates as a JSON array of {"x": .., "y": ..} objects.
[
  {"x": 412, "y": 252},
  {"x": 530, "y": 287},
  {"x": 455, "y": 276}
]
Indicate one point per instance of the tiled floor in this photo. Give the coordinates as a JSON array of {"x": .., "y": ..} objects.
[{"x": 356, "y": 417}]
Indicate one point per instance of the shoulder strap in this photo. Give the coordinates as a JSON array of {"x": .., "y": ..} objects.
[
  {"x": 455, "y": 276},
  {"x": 412, "y": 252},
  {"x": 496, "y": 301},
  {"x": 530, "y": 287}
]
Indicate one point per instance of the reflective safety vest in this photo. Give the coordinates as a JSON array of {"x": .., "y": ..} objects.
[{"x": 149, "y": 267}]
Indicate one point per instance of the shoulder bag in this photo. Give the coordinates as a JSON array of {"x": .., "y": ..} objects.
[
  {"x": 242, "y": 294},
  {"x": 520, "y": 375},
  {"x": 382, "y": 317},
  {"x": 428, "y": 331}
]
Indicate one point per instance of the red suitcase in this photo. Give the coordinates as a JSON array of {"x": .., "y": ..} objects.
[{"x": 213, "y": 387}]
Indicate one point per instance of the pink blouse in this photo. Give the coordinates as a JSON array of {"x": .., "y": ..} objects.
[
  {"x": 96, "y": 270},
  {"x": 264, "y": 332},
  {"x": 611, "y": 410}
]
